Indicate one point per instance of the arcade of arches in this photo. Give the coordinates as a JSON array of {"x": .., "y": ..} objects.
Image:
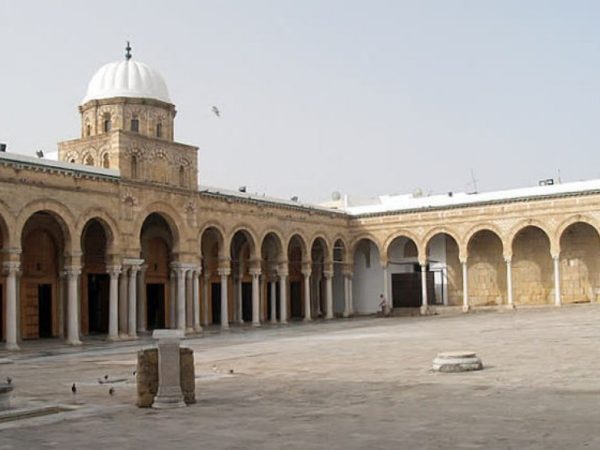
[{"x": 68, "y": 281}]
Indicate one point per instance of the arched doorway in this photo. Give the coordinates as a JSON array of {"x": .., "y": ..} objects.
[
  {"x": 580, "y": 263},
  {"x": 43, "y": 241},
  {"x": 95, "y": 279},
  {"x": 532, "y": 271},
  {"x": 211, "y": 244},
  {"x": 405, "y": 273},
  {"x": 444, "y": 264},
  {"x": 157, "y": 243},
  {"x": 271, "y": 255},
  {"x": 242, "y": 249},
  {"x": 367, "y": 280},
  {"x": 296, "y": 253},
  {"x": 486, "y": 269}
]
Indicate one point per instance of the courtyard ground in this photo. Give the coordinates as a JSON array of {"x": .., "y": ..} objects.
[{"x": 361, "y": 383}]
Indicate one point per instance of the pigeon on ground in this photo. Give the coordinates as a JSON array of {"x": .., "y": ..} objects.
[
  {"x": 106, "y": 377},
  {"x": 111, "y": 391},
  {"x": 9, "y": 380},
  {"x": 230, "y": 370},
  {"x": 74, "y": 389}
]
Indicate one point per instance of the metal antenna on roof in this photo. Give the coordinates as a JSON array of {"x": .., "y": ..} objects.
[
  {"x": 128, "y": 51},
  {"x": 474, "y": 181}
]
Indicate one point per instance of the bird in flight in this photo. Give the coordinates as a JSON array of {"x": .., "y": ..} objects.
[{"x": 216, "y": 111}]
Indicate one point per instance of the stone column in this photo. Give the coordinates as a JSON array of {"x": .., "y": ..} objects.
[
  {"x": 122, "y": 303},
  {"x": 142, "y": 315},
  {"x": 465, "y": 278},
  {"x": 283, "y": 282},
  {"x": 132, "y": 313},
  {"x": 169, "y": 393},
  {"x": 189, "y": 301},
  {"x": 255, "y": 297},
  {"x": 307, "y": 312},
  {"x": 205, "y": 287},
  {"x": 181, "y": 299},
  {"x": 240, "y": 300},
  {"x": 317, "y": 286},
  {"x": 12, "y": 269},
  {"x": 557, "y": 296},
  {"x": 73, "y": 305},
  {"x": 224, "y": 274},
  {"x": 424, "y": 299},
  {"x": 351, "y": 292},
  {"x": 509, "y": 288},
  {"x": 113, "y": 303},
  {"x": 173, "y": 300},
  {"x": 386, "y": 276},
  {"x": 273, "y": 302},
  {"x": 347, "y": 296},
  {"x": 328, "y": 274},
  {"x": 196, "y": 289}
]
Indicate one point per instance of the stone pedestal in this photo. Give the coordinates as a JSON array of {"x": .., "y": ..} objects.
[
  {"x": 462, "y": 361},
  {"x": 169, "y": 393},
  {"x": 5, "y": 396}
]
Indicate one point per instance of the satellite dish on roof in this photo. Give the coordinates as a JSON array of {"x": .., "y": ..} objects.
[{"x": 335, "y": 196}]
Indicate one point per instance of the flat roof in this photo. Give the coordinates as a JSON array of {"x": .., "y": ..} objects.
[
  {"x": 44, "y": 162},
  {"x": 407, "y": 202}
]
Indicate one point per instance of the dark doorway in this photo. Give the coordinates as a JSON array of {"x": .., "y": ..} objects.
[
  {"x": 98, "y": 292},
  {"x": 215, "y": 297},
  {"x": 45, "y": 310},
  {"x": 296, "y": 299},
  {"x": 247, "y": 302},
  {"x": 155, "y": 301},
  {"x": 406, "y": 289},
  {"x": 269, "y": 301}
]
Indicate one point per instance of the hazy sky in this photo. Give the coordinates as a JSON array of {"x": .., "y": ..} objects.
[{"x": 362, "y": 97}]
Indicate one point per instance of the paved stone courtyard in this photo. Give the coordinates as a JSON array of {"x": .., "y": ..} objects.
[{"x": 362, "y": 383}]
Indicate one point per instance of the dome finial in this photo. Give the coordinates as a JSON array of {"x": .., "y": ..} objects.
[{"x": 128, "y": 51}]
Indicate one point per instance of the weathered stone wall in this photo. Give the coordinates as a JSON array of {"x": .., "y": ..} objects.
[
  {"x": 147, "y": 376},
  {"x": 580, "y": 264},
  {"x": 486, "y": 270},
  {"x": 532, "y": 268}
]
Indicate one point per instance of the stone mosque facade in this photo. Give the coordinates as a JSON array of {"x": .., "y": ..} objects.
[{"x": 116, "y": 238}]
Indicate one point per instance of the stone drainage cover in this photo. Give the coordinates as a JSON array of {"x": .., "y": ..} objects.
[{"x": 457, "y": 362}]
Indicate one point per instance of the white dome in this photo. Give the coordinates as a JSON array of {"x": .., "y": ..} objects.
[{"x": 127, "y": 78}]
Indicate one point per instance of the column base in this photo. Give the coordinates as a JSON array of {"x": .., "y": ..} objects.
[
  {"x": 283, "y": 322},
  {"x": 346, "y": 315},
  {"x": 75, "y": 342},
  {"x": 12, "y": 347},
  {"x": 328, "y": 317},
  {"x": 198, "y": 330},
  {"x": 168, "y": 402},
  {"x": 466, "y": 308},
  {"x": 307, "y": 319},
  {"x": 224, "y": 327},
  {"x": 510, "y": 306},
  {"x": 132, "y": 337},
  {"x": 426, "y": 310},
  {"x": 113, "y": 338},
  {"x": 256, "y": 324}
]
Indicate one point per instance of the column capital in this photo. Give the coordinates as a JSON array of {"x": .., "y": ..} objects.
[
  {"x": 133, "y": 262},
  {"x": 508, "y": 259},
  {"x": 71, "y": 271},
  {"x": 11, "y": 267},
  {"x": 307, "y": 273},
  {"x": 224, "y": 271},
  {"x": 463, "y": 261},
  {"x": 328, "y": 274},
  {"x": 255, "y": 272},
  {"x": 348, "y": 273},
  {"x": 113, "y": 270}
]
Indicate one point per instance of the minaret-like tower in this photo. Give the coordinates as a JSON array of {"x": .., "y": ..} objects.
[{"x": 127, "y": 123}]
